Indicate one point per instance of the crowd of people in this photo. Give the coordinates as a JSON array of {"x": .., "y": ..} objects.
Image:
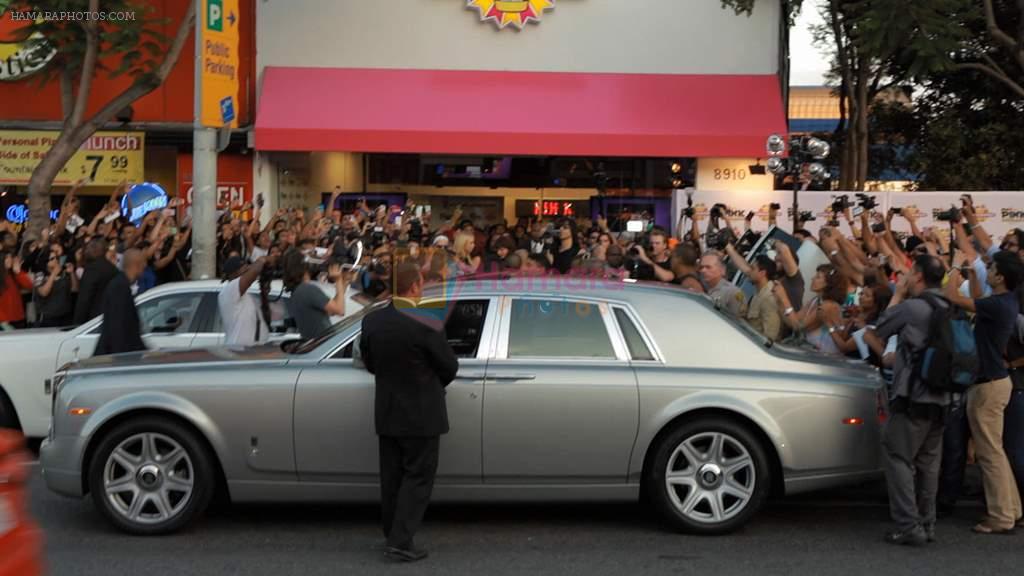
[{"x": 875, "y": 295}]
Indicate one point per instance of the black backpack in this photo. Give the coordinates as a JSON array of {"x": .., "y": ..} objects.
[{"x": 949, "y": 361}]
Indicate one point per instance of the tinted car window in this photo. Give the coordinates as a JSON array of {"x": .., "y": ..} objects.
[
  {"x": 638, "y": 349},
  {"x": 463, "y": 329},
  {"x": 557, "y": 329}
]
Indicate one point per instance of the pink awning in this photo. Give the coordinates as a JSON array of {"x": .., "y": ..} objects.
[{"x": 517, "y": 113}]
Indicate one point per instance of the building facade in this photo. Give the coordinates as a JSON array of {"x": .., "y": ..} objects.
[{"x": 506, "y": 108}]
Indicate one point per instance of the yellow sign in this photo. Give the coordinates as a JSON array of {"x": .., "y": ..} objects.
[
  {"x": 515, "y": 12},
  {"x": 106, "y": 158},
  {"x": 219, "y": 47}
]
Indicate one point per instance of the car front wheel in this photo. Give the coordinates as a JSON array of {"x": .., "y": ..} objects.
[
  {"x": 709, "y": 476},
  {"x": 151, "y": 476}
]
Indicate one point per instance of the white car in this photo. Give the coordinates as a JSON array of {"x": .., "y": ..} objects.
[{"x": 177, "y": 315}]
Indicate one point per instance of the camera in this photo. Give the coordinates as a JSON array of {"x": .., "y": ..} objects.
[
  {"x": 867, "y": 202},
  {"x": 806, "y": 216},
  {"x": 719, "y": 239},
  {"x": 775, "y": 206},
  {"x": 840, "y": 203},
  {"x": 718, "y": 210},
  {"x": 951, "y": 215},
  {"x": 896, "y": 211}
]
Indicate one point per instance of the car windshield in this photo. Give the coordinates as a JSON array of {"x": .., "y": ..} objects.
[{"x": 307, "y": 346}]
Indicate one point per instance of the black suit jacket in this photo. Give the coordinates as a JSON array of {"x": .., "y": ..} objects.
[
  {"x": 412, "y": 363},
  {"x": 121, "y": 330},
  {"x": 95, "y": 277}
]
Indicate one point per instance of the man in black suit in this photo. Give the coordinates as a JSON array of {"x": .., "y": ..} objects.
[
  {"x": 99, "y": 271},
  {"x": 412, "y": 363},
  {"x": 121, "y": 329}
]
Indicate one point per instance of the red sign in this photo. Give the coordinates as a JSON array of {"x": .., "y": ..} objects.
[
  {"x": 234, "y": 180},
  {"x": 553, "y": 208}
]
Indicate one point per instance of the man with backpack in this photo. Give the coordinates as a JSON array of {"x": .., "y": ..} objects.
[
  {"x": 995, "y": 321},
  {"x": 913, "y": 436}
]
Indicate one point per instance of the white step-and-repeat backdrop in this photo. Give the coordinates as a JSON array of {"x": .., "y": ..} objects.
[{"x": 998, "y": 212}]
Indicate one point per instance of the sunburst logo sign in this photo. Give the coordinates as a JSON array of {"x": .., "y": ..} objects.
[{"x": 515, "y": 12}]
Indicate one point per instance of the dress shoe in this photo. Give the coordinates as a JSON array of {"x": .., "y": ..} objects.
[
  {"x": 405, "y": 554},
  {"x": 913, "y": 537}
]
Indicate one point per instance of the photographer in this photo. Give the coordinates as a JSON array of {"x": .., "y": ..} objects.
[
  {"x": 243, "y": 323},
  {"x": 375, "y": 279},
  {"x": 658, "y": 264},
  {"x": 309, "y": 306},
  {"x": 785, "y": 261}
]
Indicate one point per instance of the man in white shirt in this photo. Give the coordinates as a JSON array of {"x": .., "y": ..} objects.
[{"x": 240, "y": 316}]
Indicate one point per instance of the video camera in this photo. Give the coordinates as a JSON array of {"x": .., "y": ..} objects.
[
  {"x": 951, "y": 215},
  {"x": 866, "y": 201},
  {"x": 840, "y": 203},
  {"x": 806, "y": 216}
]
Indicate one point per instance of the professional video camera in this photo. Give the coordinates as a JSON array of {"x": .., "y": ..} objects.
[
  {"x": 951, "y": 215},
  {"x": 840, "y": 203},
  {"x": 806, "y": 216},
  {"x": 866, "y": 201}
]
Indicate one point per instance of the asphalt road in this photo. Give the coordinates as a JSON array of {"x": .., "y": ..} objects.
[{"x": 835, "y": 533}]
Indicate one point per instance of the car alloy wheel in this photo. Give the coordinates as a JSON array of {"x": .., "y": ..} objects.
[
  {"x": 710, "y": 477},
  {"x": 152, "y": 475},
  {"x": 148, "y": 478}
]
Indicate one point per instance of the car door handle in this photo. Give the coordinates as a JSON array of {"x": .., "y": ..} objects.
[
  {"x": 470, "y": 376},
  {"x": 510, "y": 377}
]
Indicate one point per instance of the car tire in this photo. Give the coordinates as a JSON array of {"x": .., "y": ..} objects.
[
  {"x": 709, "y": 476},
  {"x": 151, "y": 475},
  {"x": 8, "y": 416}
]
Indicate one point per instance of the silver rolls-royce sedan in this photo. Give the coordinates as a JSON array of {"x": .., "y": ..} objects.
[{"x": 568, "y": 390}]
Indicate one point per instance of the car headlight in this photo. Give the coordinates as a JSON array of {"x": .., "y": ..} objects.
[{"x": 55, "y": 385}]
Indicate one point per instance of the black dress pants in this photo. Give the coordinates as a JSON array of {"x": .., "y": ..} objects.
[{"x": 407, "y": 469}]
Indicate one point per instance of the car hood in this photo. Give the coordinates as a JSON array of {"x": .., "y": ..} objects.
[
  {"x": 154, "y": 358},
  {"x": 857, "y": 371}
]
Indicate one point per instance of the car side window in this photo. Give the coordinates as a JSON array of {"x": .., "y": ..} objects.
[
  {"x": 171, "y": 314},
  {"x": 465, "y": 325},
  {"x": 463, "y": 328},
  {"x": 638, "y": 349},
  {"x": 557, "y": 329}
]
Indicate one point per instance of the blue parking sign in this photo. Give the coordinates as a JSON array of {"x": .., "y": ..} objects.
[{"x": 227, "y": 109}]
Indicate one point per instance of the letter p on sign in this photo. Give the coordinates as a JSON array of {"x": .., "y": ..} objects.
[{"x": 215, "y": 15}]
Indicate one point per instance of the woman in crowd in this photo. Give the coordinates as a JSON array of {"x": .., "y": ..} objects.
[
  {"x": 563, "y": 252},
  {"x": 12, "y": 282},
  {"x": 55, "y": 286},
  {"x": 874, "y": 299},
  {"x": 466, "y": 263},
  {"x": 830, "y": 289}
]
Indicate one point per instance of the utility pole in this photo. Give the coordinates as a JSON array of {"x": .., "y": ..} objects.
[{"x": 204, "y": 169}]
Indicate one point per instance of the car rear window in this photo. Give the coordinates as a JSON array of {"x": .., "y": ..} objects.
[
  {"x": 638, "y": 349},
  {"x": 557, "y": 329}
]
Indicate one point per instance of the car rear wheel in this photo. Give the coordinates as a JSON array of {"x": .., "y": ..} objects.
[
  {"x": 709, "y": 476},
  {"x": 151, "y": 475}
]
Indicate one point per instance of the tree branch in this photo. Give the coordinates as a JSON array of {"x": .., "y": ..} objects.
[
  {"x": 149, "y": 82},
  {"x": 92, "y": 48},
  {"x": 999, "y": 35},
  {"x": 67, "y": 95},
  {"x": 994, "y": 73}
]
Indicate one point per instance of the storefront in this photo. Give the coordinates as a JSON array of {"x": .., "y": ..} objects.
[
  {"x": 501, "y": 108},
  {"x": 151, "y": 141}
]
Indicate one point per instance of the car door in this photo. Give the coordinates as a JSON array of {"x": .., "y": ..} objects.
[
  {"x": 167, "y": 321},
  {"x": 335, "y": 437},
  {"x": 560, "y": 400}
]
